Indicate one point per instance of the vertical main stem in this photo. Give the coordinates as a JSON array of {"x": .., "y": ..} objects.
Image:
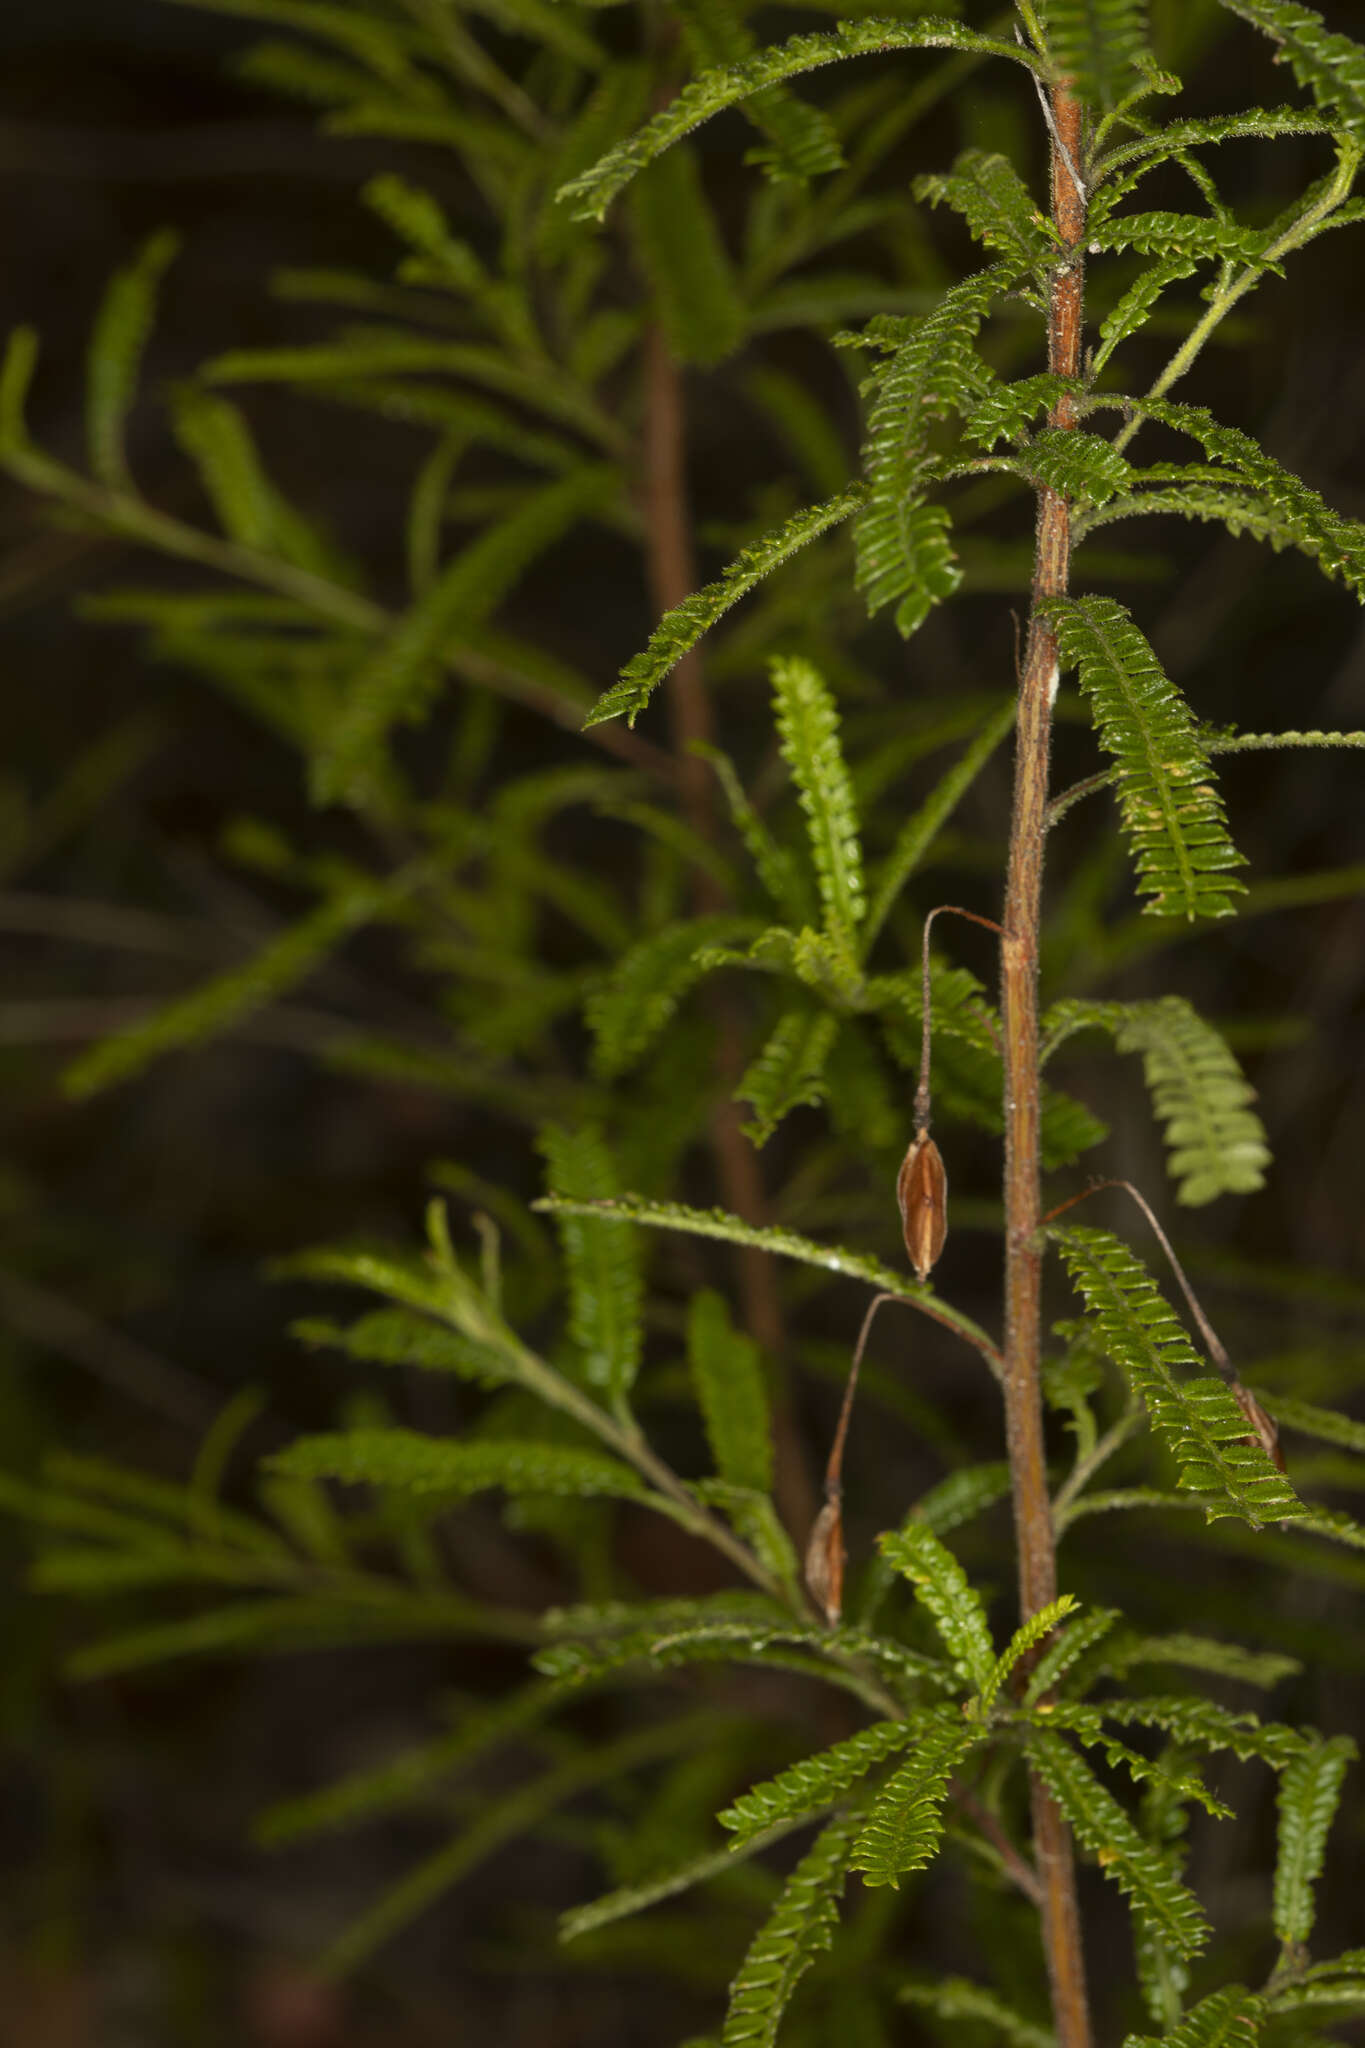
[
  {"x": 673, "y": 576},
  {"x": 1019, "y": 1004}
]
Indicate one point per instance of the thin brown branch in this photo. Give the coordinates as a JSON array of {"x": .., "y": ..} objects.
[
  {"x": 1017, "y": 1867},
  {"x": 1022, "y": 1093}
]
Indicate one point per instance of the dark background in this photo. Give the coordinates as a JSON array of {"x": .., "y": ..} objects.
[{"x": 135, "y": 1228}]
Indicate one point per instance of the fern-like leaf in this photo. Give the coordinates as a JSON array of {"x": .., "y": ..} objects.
[
  {"x": 229, "y": 999},
  {"x": 605, "y": 1270},
  {"x": 1249, "y": 491},
  {"x": 1309, "y": 1792},
  {"x": 1197, "y": 1419},
  {"x": 1172, "y": 813},
  {"x": 808, "y": 731},
  {"x": 1230, "y": 2018},
  {"x": 727, "y": 1372},
  {"x": 1331, "y": 66},
  {"x": 904, "y": 557},
  {"x": 1066, "y": 1650},
  {"x": 122, "y": 326},
  {"x": 1027, "y": 1637},
  {"x": 638, "y": 1898},
  {"x": 1215, "y": 1141},
  {"x": 816, "y": 1781},
  {"x": 1141, "y": 1872},
  {"x": 681, "y": 252},
  {"x": 988, "y": 192},
  {"x": 956, "y": 2000},
  {"x": 395, "y": 1336},
  {"x": 727, "y": 85},
  {"x": 788, "y": 1073},
  {"x": 905, "y": 1825},
  {"x": 801, "y": 1925},
  {"x": 783, "y": 1244},
  {"x": 628, "y": 1010},
  {"x": 801, "y": 142},
  {"x": 1100, "y": 44},
  {"x": 411, "y": 1462},
  {"x": 681, "y": 628},
  {"x": 396, "y": 683},
  {"x": 943, "y": 1586}
]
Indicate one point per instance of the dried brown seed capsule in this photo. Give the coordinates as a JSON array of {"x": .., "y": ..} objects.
[
  {"x": 922, "y": 1191},
  {"x": 825, "y": 1561}
]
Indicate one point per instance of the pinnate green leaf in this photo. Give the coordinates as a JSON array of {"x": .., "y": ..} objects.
[
  {"x": 1172, "y": 814},
  {"x": 1100, "y": 1824},
  {"x": 1309, "y": 1794},
  {"x": 1197, "y": 1419},
  {"x": 680, "y": 629},
  {"x": 727, "y": 1371},
  {"x": 905, "y": 1825},
  {"x": 800, "y": 1926},
  {"x": 603, "y": 1256},
  {"x": 943, "y": 1586},
  {"x": 816, "y": 1781}
]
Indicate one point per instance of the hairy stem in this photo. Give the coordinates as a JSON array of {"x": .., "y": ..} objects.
[
  {"x": 673, "y": 576},
  {"x": 1019, "y": 1004}
]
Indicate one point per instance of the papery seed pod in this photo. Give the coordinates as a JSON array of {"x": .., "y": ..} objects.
[
  {"x": 1266, "y": 1428},
  {"x": 825, "y": 1560},
  {"x": 922, "y": 1192}
]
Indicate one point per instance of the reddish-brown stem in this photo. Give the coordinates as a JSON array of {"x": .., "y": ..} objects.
[
  {"x": 673, "y": 576},
  {"x": 1019, "y": 1008}
]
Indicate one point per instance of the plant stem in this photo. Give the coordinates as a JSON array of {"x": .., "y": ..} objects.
[
  {"x": 1019, "y": 1003},
  {"x": 673, "y": 576}
]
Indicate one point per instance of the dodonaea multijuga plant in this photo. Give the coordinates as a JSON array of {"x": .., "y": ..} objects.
[{"x": 1018, "y": 1754}]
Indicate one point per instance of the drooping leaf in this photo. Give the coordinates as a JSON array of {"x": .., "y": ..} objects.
[
  {"x": 727, "y": 1372},
  {"x": 904, "y": 557},
  {"x": 1100, "y": 1824},
  {"x": 1197, "y": 1419},
  {"x": 1215, "y": 1141},
  {"x": 788, "y": 1073},
  {"x": 1172, "y": 813},
  {"x": 905, "y": 1825},
  {"x": 800, "y": 1926},
  {"x": 1309, "y": 1793}
]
